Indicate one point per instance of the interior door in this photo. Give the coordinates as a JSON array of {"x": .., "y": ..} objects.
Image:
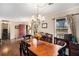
[{"x": 5, "y": 33}]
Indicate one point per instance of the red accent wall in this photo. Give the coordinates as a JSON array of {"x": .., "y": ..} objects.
[{"x": 21, "y": 30}]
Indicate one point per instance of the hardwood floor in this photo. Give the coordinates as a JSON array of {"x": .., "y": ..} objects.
[{"x": 9, "y": 49}]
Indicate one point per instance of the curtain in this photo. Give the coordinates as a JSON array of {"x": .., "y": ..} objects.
[{"x": 71, "y": 22}]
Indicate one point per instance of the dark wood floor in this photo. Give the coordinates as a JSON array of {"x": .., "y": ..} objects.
[{"x": 9, "y": 48}]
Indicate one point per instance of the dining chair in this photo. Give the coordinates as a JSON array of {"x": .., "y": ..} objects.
[
  {"x": 62, "y": 50},
  {"x": 63, "y": 44},
  {"x": 24, "y": 48},
  {"x": 73, "y": 49},
  {"x": 27, "y": 37}
]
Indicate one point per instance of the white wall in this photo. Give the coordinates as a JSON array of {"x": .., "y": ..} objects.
[
  {"x": 51, "y": 23},
  {"x": 12, "y": 31},
  {"x": 57, "y": 14},
  {"x": 49, "y": 28}
]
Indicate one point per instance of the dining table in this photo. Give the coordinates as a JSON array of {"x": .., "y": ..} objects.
[{"x": 43, "y": 48}]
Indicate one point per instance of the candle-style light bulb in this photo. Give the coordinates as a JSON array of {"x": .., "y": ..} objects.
[
  {"x": 43, "y": 18},
  {"x": 33, "y": 18}
]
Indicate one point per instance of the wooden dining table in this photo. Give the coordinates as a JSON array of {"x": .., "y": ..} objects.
[{"x": 44, "y": 48}]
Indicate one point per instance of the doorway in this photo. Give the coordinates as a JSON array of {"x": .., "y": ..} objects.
[
  {"x": 5, "y": 32},
  {"x": 27, "y": 32}
]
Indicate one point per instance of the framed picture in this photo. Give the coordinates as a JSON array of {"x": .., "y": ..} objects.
[
  {"x": 44, "y": 25},
  {"x": 16, "y": 27}
]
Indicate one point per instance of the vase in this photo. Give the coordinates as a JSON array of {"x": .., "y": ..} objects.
[{"x": 35, "y": 42}]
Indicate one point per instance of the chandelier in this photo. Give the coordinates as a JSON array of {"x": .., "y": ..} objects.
[
  {"x": 37, "y": 16},
  {"x": 37, "y": 19}
]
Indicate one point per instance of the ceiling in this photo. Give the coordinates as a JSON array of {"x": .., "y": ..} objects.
[{"x": 24, "y": 10}]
